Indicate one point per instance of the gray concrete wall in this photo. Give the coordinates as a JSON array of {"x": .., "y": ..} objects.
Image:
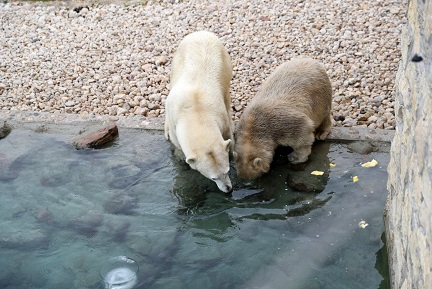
[{"x": 409, "y": 205}]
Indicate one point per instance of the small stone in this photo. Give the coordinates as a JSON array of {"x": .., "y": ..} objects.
[
  {"x": 70, "y": 103},
  {"x": 365, "y": 117},
  {"x": 153, "y": 106},
  {"x": 349, "y": 122},
  {"x": 161, "y": 60},
  {"x": 388, "y": 115},
  {"x": 73, "y": 14},
  {"x": 122, "y": 111},
  {"x": 119, "y": 97},
  {"x": 84, "y": 11},
  {"x": 338, "y": 117},
  {"x": 142, "y": 111},
  {"x": 394, "y": 10},
  {"x": 238, "y": 108}
]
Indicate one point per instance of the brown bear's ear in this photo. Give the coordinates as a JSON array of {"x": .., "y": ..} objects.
[
  {"x": 257, "y": 162},
  {"x": 235, "y": 155},
  {"x": 259, "y": 165}
]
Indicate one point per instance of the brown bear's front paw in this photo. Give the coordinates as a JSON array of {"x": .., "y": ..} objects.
[
  {"x": 322, "y": 135},
  {"x": 296, "y": 159}
]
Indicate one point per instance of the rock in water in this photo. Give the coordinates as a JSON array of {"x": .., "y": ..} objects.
[
  {"x": 361, "y": 147},
  {"x": 97, "y": 138},
  {"x": 87, "y": 224},
  {"x": 5, "y": 130},
  {"x": 28, "y": 238},
  {"x": 121, "y": 204}
]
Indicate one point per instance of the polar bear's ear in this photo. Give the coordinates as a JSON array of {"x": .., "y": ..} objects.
[
  {"x": 227, "y": 144},
  {"x": 191, "y": 160}
]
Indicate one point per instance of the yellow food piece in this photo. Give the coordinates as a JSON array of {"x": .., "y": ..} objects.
[
  {"x": 363, "y": 224},
  {"x": 317, "y": 173},
  {"x": 370, "y": 164},
  {"x": 332, "y": 164},
  {"x": 355, "y": 179}
]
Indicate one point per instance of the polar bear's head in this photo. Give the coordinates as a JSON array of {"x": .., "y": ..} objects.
[{"x": 213, "y": 163}]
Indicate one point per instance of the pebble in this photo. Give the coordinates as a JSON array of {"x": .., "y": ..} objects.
[
  {"x": 115, "y": 58},
  {"x": 68, "y": 103}
]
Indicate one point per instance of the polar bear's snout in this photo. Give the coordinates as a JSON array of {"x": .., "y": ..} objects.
[
  {"x": 214, "y": 165},
  {"x": 224, "y": 183}
]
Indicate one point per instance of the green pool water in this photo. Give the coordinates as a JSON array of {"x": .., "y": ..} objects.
[{"x": 64, "y": 212}]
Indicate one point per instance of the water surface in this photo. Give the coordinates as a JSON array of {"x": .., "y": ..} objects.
[{"x": 64, "y": 212}]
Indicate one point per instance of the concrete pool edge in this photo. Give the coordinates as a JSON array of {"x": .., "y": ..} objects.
[{"x": 76, "y": 123}]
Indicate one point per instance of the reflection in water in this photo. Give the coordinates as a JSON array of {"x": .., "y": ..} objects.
[
  {"x": 319, "y": 235},
  {"x": 382, "y": 265},
  {"x": 269, "y": 197},
  {"x": 190, "y": 187}
]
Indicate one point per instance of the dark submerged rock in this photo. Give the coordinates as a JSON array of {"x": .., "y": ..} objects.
[
  {"x": 44, "y": 215},
  {"x": 121, "y": 204},
  {"x": 125, "y": 182},
  {"x": 15, "y": 168},
  {"x": 87, "y": 224},
  {"x": 41, "y": 129},
  {"x": 55, "y": 180},
  {"x": 118, "y": 231},
  {"x": 24, "y": 238},
  {"x": 361, "y": 147}
]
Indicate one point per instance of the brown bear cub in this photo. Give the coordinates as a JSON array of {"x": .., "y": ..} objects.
[{"x": 292, "y": 108}]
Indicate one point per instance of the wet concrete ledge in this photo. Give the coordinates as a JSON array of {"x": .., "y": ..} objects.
[{"x": 75, "y": 123}]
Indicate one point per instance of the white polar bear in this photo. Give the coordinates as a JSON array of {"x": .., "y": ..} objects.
[{"x": 198, "y": 108}]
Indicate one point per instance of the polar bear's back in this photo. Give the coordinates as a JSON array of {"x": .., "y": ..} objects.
[
  {"x": 199, "y": 101},
  {"x": 201, "y": 58}
]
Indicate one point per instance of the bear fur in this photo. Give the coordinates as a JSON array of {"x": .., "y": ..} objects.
[
  {"x": 292, "y": 108},
  {"x": 198, "y": 108}
]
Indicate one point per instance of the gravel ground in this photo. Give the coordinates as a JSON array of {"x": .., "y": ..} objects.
[{"x": 115, "y": 59}]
